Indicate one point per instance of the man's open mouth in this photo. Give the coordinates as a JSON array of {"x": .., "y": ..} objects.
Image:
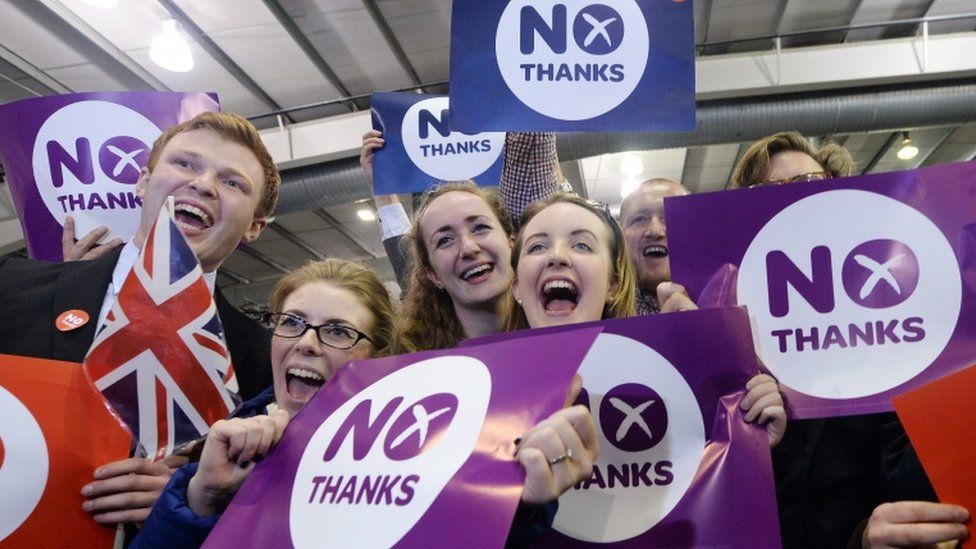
[
  {"x": 655, "y": 251},
  {"x": 192, "y": 217},
  {"x": 559, "y": 296}
]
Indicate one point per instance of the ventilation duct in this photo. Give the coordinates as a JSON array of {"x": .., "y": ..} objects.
[{"x": 720, "y": 121}]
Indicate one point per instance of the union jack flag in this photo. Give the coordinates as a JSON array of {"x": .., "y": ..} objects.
[{"x": 159, "y": 358}]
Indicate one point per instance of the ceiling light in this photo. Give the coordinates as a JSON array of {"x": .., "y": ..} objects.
[
  {"x": 366, "y": 214},
  {"x": 908, "y": 150},
  {"x": 170, "y": 51},
  {"x": 631, "y": 165},
  {"x": 103, "y": 3},
  {"x": 629, "y": 186}
]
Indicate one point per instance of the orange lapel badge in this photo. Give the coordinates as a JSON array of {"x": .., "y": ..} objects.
[{"x": 71, "y": 320}]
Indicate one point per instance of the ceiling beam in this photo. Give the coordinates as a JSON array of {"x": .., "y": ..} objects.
[
  {"x": 79, "y": 35},
  {"x": 892, "y": 139},
  {"x": 942, "y": 141},
  {"x": 276, "y": 265},
  {"x": 233, "y": 276},
  {"x": 310, "y": 51},
  {"x": 391, "y": 40},
  {"x": 211, "y": 47},
  {"x": 30, "y": 70},
  {"x": 296, "y": 240},
  {"x": 327, "y": 217}
]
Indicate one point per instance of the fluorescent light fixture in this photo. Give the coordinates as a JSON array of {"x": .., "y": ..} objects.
[
  {"x": 908, "y": 150},
  {"x": 366, "y": 214},
  {"x": 631, "y": 165},
  {"x": 102, "y": 3},
  {"x": 629, "y": 186},
  {"x": 169, "y": 50}
]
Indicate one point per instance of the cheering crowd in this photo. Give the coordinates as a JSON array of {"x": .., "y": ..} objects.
[{"x": 472, "y": 262}]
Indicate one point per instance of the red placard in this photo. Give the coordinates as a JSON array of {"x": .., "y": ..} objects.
[
  {"x": 55, "y": 430},
  {"x": 938, "y": 420}
]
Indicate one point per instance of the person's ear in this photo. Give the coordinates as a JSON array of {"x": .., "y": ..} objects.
[
  {"x": 433, "y": 278},
  {"x": 611, "y": 289},
  {"x": 142, "y": 182},
  {"x": 254, "y": 230},
  {"x": 515, "y": 291}
]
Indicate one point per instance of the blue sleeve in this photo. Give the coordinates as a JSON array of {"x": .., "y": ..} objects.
[
  {"x": 531, "y": 522},
  {"x": 172, "y": 523}
]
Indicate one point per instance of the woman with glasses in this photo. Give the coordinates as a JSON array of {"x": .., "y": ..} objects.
[
  {"x": 323, "y": 316},
  {"x": 788, "y": 157},
  {"x": 834, "y": 475}
]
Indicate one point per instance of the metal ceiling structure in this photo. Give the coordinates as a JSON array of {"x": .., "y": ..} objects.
[{"x": 303, "y": 71}]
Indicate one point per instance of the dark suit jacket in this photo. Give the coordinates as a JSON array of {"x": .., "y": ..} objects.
[
  {"x": 34, "y": 293},
  {"x": 831, "y": 474}
]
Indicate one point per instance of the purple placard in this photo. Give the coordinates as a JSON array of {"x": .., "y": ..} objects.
[
  {"x": 80, "y": 154},
  {"x": 676, "y": 458},
  {"x": 523, "y": 65},
  {"x": 422, "y": 151},
  {"x": 858, "y": 289},
  {"x": 457, "y": 481}
]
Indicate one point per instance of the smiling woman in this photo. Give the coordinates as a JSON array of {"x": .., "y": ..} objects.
[
  {"x": 462, "y": 272},
  {"x": 572, "y": 266},
  {"x": 325, "y": 315}
]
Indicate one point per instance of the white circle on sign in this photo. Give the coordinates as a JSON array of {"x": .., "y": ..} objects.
[
  {"x": 861, "y": 357},
  {"x": 625, "y": 506},
  {"x": 24, "y": 463},
  {"x": 453, "y": 157},
  {"x": 572, "y": 60},
  {"x": 86, "y": 160},
  {"x": 351, "y": 479}
]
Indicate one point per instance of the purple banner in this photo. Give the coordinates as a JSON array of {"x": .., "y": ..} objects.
[
  {"x": 408, "y": 450},
  {"x": 677, "y": 460},
  {"x": 422, "y": 151},
  {"x": 80, "y": 155},
  {"x": 524, "y": 65},
  {"x": 858, "y": 289}
]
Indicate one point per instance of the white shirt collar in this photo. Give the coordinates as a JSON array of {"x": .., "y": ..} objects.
[{"x": 128, "y": 257}]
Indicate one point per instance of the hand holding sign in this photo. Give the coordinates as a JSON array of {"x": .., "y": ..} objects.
[
  {"x": 87, "y": 247},
  {"x": 764, "y": 405},
  {"x": 233, "y": 447},
  {"x": 126, "y": 490},
  {"x": 914, "y": 523},
  {"x": 372, "y": 142},
  {"x": 558, "y": 453},
  {"x": 674, "y": 298}
]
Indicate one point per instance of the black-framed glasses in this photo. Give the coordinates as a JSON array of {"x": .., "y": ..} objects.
[
  {"x": 331, "y": 334},
  {"x": 809, "y": 176}
]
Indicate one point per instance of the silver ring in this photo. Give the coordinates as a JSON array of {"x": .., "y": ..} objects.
[{"x": 564, "y": 457}]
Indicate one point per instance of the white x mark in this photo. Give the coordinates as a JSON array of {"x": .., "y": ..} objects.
[
  {"x": 599, "y": 29},
  {"x": 125, "y": 159},
  {"x": 421, "y": 423},
  {"x": 879, "y": 272},
  {"x": 633, "y": 417}
]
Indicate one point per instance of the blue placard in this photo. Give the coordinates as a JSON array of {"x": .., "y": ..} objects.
[
  {"x": 525, "y": 65},
  {"x": 421, "y": 150}
]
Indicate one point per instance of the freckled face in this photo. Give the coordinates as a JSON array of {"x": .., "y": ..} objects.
[
  {"x": 300, "y": 366},
  {"x": 469, "y": 251},
  {"x": 216, "y": 184},
  {"x": 564, "y": 269}
]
